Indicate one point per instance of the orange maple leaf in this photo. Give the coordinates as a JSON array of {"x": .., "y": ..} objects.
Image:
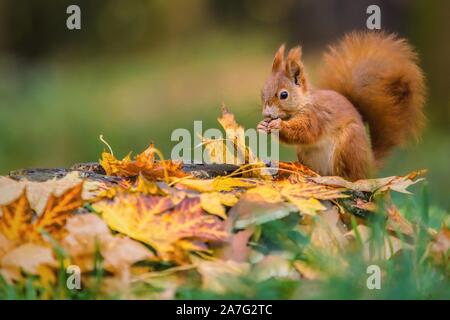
[
  {"x": 16, "y": 222},
  {"x": 144, "y": 163},
  {"x": 16, "y": 218},
  {"x": 158, "y": 222}
]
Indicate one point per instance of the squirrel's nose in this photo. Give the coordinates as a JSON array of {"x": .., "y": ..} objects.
[
  {"x": 267, "y": 111},
  {"x": 270, "y": 112}
]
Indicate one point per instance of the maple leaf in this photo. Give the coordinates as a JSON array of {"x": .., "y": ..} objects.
[
  {"x": 396, "y": 222},
  {"x": 307, "y": 271},
  {"x": 236, "y": 248},
  {"x": 211, "y": 203},
  {"x": 309, "y": 189},
  {"x": 233, "y": 149},
  {"x": 29, "y": 257},
  {"x": 235, "y": 133},
  {"x": 58, "y": 209},
  {"x": 143, "y": 163},
  {"x": 251, "y": 210},
  {"x": 16, "y": 222},
  {"x": 326, "y": 234},
  {"x": 85, "y": 232},
  {"x": 39, "y": 192},
  {"x": 217, "y": 184},
  {"x": 267, "y": 193},
  {"x": 157, "y": 222},
  {"x": 274, "y": 266},
  {"x": 215, "y": 202},
  {"x": 222, "y": 276},
  {"x": 287, "y": 169},
  {"x": 16, "y": 218},
  {"x": 304, "y": 195}
]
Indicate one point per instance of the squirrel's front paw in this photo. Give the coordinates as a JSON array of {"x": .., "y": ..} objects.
[
  {"x": 262, "y": 126},
  {"x": 274, "y": 125}
]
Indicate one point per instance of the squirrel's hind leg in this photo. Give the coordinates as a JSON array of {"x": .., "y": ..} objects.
[{"x": 353, "y": 159}]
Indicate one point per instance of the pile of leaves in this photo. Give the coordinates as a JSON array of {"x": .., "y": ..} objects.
[{"x": 159, "y": 232}]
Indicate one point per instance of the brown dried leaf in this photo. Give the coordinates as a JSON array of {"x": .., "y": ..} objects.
[
  {"x": 144, "y": 163},
  {"x": 395, "y": 183}
]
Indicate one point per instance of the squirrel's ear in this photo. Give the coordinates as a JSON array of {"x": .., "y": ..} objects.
[
  {"x": 278, "y": 60},
  {"x": 294, "y": 66}
]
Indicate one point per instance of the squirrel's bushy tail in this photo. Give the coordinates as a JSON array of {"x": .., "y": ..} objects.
[{"x": 379, "y": 74}]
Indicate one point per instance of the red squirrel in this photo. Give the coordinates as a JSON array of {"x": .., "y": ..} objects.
[{"x": 367, "y": 77}]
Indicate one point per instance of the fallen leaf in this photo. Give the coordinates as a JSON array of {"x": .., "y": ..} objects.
[
  {"x": 39, "y": 192},
  {"x": 5, "y": 245},
  {"x": 144, "y": 163},
  {"x": 253, "y": 210},
  {"x": 307, "y": 271},
  {"x": 235, "y": 133},
  {"x": 396, "y": 222},
  {"x": 28, "y": 257},
  {"x": 307, "y": 190},
  {"x": 294, "y": 169},
  {"x": 365, "y": 205},
  {"x": 439, "y": 248},
  {"x": 274, "y": 266},
  {"x": 395, "y": 183},
  {"x": 16, "y": 222},
  {"x": 57, "y": 210},
  {"x": 88, "y": 232},
  {"x": 267, "y": 193},
  {"x": 154, "y": 220},
  {"x": 236, "y": 247},
  {"x": 120, "y": 253},
  {"x": 16, "y": 218},
  {"x": 326, "y": 234},
  {"x": 306, "y": 195},
  {"x": 211, "y": 203},
  {"x": 391, "y": 245},
  {"x": 146, "y": 186},
  {"x": 222, "y": 276},
  {"x": 217, "y": 184}
]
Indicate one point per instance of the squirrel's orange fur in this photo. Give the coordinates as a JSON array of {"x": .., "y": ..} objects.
[{"x": 367, "y": 77}]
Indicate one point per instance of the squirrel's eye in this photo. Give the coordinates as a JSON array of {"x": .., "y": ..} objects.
[{"x": 283, "y": 95}]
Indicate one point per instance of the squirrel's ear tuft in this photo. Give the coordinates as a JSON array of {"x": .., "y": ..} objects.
[
  {"x": 294, "y": 66},
  {"x": 279, "y": 58}
]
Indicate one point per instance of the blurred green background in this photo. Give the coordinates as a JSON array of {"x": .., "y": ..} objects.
[{"x": 139, "y": 69}]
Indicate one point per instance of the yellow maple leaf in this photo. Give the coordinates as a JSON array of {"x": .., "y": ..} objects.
[
  {"x": 58, "y": 209},
  {"x": 146, "y": 186},
  {"x": 157, "y": 222},
  {"x": 236, "y": 135},
  {"x": 16, "y": 221},
  {"x": 39, "y": 192},
  {"x": 233, "y": 150},
  {"x": 267, "y": 193},
  {"x": 16, "y": 218},
  {"x": 306, "y": 206},
  {"x": 214, "y": 202},
  {"x": 308, "y": 190},
  {"x": 217, "y": 184}
]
